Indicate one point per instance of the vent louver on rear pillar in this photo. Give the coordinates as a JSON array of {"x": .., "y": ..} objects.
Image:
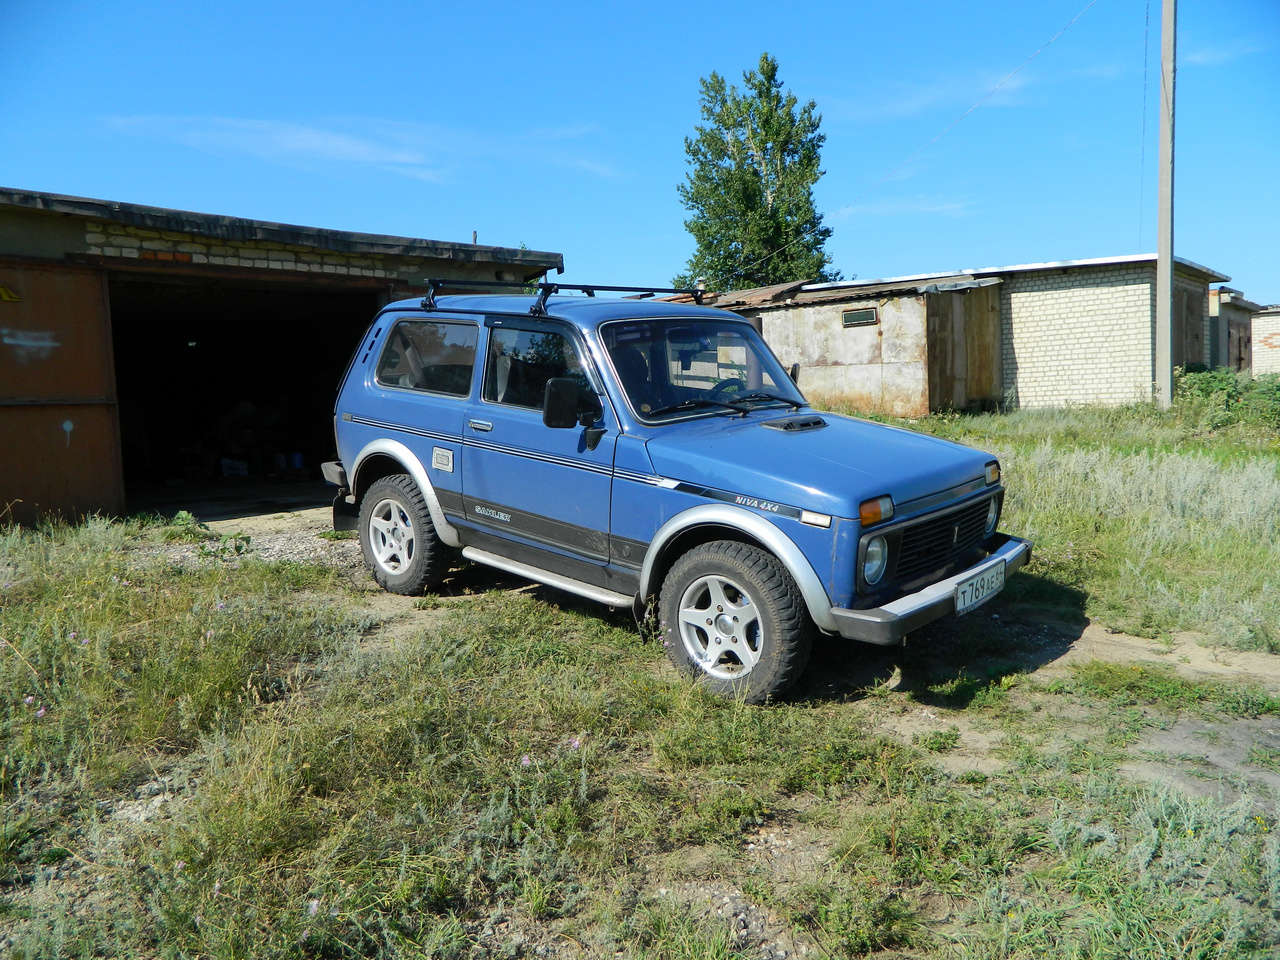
[{"x": 798, "y": 423}]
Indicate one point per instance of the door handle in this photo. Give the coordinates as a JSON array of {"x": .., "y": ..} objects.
[{"x": 482, "y": 425}]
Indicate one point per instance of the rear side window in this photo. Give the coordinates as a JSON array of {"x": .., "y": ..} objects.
[
  {"x": 522, "y": 361},
  {"x": 429, "y": 355}
]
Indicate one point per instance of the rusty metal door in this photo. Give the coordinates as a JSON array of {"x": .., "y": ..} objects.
[{"x": 59, "y": 433}]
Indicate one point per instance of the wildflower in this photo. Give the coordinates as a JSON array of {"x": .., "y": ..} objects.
[
  {"x": 178, "y": 865},
  {"x": 208, "y": 634},
  {"x": 525, "y": 761},
  {"x": 220, "y": 605},
  {"x": 84, "y": 641},
  {"x": 41, "y": 712},
  {"x": 72, "y": 635},
  {"x": 217, "y": 887},
  {"x": 28, "y": 699},
  {"x": 575, "y": 743},
  {"x": 313, "y": 907},
  {"x": 125, "y": 582}
]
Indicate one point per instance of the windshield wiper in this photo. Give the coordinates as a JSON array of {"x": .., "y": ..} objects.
[
  {"x": 695, "y": 403},
  {"x": 760, "y": 395}
]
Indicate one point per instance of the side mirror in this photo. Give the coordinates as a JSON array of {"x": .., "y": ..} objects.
[
  {"x": 564, "y": 406},
  {"x": 794, "y": 373}
]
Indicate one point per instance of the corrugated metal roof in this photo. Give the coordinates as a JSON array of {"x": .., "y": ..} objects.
[
  {"x": 1212, "y": 275},
  {"x": 792, "y": 294}
]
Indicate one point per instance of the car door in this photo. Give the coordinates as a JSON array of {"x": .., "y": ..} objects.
[{"x": 532, "y": 493}]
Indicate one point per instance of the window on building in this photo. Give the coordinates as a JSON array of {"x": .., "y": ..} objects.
[
  {"x": 862, "y": 317},
  {"x": 429, "y": 355},
  {"x": 522, "y": 361}
]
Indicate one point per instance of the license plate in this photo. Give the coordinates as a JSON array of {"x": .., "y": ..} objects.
[{"x": 978, "y": 589}]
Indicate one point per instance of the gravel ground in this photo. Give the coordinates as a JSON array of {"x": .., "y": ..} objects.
[{"x": 295, "y": 536}]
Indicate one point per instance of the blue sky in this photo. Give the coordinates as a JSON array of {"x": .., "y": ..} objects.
[{"x": 561, "y": 127}]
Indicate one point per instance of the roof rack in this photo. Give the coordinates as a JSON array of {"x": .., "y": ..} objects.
[{"x": 546, "y": 289}]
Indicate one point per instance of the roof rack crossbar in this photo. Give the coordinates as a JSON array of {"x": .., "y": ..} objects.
[{"x": 546, "y": 289}]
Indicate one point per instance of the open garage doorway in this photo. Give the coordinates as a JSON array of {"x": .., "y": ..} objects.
[{"x": 226, "y": 388}]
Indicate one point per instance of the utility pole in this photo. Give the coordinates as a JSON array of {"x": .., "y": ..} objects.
[{"x": 1164, "y": 243}]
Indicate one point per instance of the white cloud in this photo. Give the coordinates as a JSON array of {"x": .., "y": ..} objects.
[
  {"x": 940, "y": 95},
  {"x": 899, "y": 206},
  {"x": 418, "y": 151},
  {"x": 1217, "y": 55}
]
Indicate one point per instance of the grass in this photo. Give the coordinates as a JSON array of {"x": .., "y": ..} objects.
[
  {"x": 1153, "y": 522},
  {"x": 1159, "y": 685},
  {"x": 397, "y": 800},
  {"x": 218, "y": 760}
]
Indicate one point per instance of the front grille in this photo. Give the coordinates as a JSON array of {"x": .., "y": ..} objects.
[{"x": 935, "y": 542}]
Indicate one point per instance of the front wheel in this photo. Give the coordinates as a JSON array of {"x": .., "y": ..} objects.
[
  {"x": 398, "y": 539},
  {"x": 733, "y": 616}
]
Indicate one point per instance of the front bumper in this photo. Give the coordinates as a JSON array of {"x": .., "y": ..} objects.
[{"x": 890, "y": 623}]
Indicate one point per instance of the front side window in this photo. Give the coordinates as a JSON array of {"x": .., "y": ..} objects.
[
  {"x": 671, "y": 367},
  {"x": 522, "y": 361},
  {"x": 429, "y": 355}
]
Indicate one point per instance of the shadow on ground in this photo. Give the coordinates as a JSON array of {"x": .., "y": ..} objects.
[
  {"x": 960, "y": 656},
  {"x": 948, "y": 662}
]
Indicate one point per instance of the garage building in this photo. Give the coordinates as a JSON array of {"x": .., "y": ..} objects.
[
  {"x": 1030, "y": 335},
  {"x": 148, "y": 352}
]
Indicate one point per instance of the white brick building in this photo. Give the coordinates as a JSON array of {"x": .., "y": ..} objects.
[
  {"x": 1266, "y": 340},
  {"x": 1068, "y": 332}
]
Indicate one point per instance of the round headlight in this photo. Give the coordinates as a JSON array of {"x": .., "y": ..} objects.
[
  {"x": 875, "y": 560},
  {"x": 993, "y": 514}
]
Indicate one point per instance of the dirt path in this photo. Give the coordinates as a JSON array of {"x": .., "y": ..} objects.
[{"x": 1052, "y": 648}]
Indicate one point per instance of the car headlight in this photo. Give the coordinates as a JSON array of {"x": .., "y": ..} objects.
[
  {"x": 875, "y": 560},
  {"x": 993, "y": 514}
]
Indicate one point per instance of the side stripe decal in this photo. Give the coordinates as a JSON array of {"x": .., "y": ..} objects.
[{"x": 709, "y": 493}]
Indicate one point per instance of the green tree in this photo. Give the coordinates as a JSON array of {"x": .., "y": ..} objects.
[{"x": 753, "y": 163}]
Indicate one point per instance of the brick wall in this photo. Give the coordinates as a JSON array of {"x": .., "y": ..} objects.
[
  {"x": 1078, "y": 335},
  {"x": 1266, "y": 343},
  {"x": 117, "y": 240}
]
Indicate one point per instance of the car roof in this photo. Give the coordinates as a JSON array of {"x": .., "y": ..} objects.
[{"x": 584, "y": 312}]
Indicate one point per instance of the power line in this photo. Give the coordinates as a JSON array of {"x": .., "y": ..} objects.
[{"x": 911, "y": 158}]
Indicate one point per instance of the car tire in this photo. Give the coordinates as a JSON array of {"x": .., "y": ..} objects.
[
  {"x": 732, "y": 617},
  {"x": 399, "y": 542}
]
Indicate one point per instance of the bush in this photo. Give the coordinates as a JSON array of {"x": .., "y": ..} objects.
[{"x": 1223, "y": 397}]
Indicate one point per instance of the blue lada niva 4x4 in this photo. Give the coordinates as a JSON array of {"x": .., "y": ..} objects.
[{"x": 639, "y": 451}]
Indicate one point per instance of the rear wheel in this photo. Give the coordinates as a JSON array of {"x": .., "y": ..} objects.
[
  {"x": 733, "y": 616},
  {"x": 397, "y": 537}
]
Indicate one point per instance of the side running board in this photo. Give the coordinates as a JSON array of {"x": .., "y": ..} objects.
[{"x": 591, "y": 592}]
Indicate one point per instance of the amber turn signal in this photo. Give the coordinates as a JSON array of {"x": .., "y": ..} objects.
[
  {"x": 875, "y": 511},
  {"x": 993, "y": 472}
]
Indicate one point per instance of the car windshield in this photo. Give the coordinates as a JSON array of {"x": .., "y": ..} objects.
[{"x": 671, "y": 367}]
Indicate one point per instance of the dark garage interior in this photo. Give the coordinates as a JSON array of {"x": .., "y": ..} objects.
[
  {"x": 158, "y": 360},
  {"x": 226, "y": 388}
]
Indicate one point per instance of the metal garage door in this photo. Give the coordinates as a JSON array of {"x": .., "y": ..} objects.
[{"x": 59, "y": 436}]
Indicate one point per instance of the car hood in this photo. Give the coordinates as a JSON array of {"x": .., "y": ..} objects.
[{"x": 831, "y": 469}]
